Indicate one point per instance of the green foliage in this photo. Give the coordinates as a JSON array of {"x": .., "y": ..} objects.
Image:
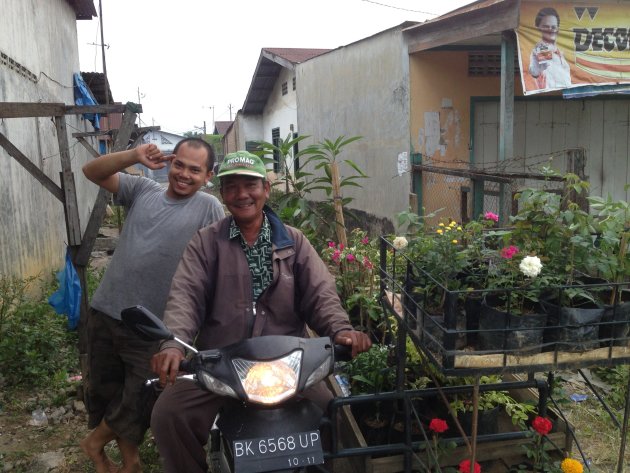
[
  {"x": 519, "y": 412},
  {"x": 617, "y": 377},
  {"x": 36, "y": 349},
  {"x": 354, "y": 268},
  {"x": 313, "y": 174},
  {"x": 370, "y": 372}
]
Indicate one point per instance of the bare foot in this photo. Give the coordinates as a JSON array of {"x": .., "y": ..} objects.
[{"x": 102, "y": 463}]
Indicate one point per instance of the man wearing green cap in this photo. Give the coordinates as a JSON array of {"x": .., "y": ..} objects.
[{"x": 245, "y": 276}]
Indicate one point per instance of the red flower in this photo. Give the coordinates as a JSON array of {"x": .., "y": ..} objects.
[
  {"x": 367, "y": 263},
  {"x": 365, "y": 240},
  {"x": 541, "y": 425},
  {"x": 335, "y": 256},
  {"x": 331, "y": 244},
  {"x": 438, "y": 425},
  {"x": 350, "y": 257},
  {"x": 509, "y": 252},
  {"x": 464, "y": 467}
]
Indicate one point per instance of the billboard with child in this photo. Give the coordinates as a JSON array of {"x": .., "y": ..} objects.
[{"x": 563, "y": 45}]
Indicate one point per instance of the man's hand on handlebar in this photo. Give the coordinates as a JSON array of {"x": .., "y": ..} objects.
[
  {"x": 360, "y": 341},
  {"x": 165, "y": 364}
]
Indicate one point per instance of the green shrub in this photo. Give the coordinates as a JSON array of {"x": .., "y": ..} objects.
[{"x": 36, "y": 347}]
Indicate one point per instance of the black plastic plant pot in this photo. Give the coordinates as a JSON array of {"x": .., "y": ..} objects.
[
  {"x": 501, "y": 331},
  {"x": 472, "y": 308},
  {"x": 487, "y": 421},
  {"x": 615, "y": 325},
  {"x": 572, "y": 329}
]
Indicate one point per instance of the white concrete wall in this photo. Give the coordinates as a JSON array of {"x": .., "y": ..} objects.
[
  {"x": 281, "y": 110},
  {"x": 362, "y": 89},
  {"x": 41, "y": 36},
  {"x": 250, "y": 128}
]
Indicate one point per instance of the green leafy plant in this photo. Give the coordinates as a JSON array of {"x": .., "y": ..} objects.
[
  {"x": 370, "y": 372},
  {"x": 519, "y": 412},
  {"x": 315, "y": 173},
  {"x": 36, "y": 348}
]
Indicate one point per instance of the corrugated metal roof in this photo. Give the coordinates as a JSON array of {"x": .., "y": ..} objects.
[
  {"x": 270, "y": 62},
  {"x": 84, "y": 9},
  {"x": 96, "y": 82},
  {"x": 222, "y": 126}
]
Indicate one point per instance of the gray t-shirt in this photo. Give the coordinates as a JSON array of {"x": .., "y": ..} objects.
[{"x": 155, "y": 233}]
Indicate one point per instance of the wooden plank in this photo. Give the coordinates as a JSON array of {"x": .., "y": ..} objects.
[
  {"x": 71, "y": 207},
  {"x": 27, "y": 109},
  {"x": 125, "y": 130},
  {"x": 33, "y": 170},
  {"x": 82, "y": 256},
  {"x": 102, "y": 109},
  {"x": 88, "y": 146},
  {"x": 471, "y": 25},
  {"x": 460, "y": 172},
  {"x": 91, "y": 133}
]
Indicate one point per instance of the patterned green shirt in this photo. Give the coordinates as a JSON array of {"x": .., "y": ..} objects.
[{"x": 258, "y": 256}]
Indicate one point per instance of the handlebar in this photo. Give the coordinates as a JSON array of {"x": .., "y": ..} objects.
[{"x": 342, "y": 352}]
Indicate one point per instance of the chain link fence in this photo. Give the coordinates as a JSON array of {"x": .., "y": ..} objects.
[{"x": 462, "y": 191}]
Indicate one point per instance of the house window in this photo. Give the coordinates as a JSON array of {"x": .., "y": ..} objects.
[
  {"x": 165, "y": 141},
  {"x": 275, "y": 140},
  {"x": 293, "y": 83},
  {"x": 296, "y": 149},
  {"x": 484, "y": 64},
  {"x": 285, "y": 88}
]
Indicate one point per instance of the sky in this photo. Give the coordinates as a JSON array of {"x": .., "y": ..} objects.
[{"x": 190, "y": 61}]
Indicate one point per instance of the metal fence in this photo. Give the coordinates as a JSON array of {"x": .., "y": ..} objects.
[{"x": 461, "y": 191}]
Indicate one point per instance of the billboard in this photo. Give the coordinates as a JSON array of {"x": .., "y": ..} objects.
[{"x": 562, "y": 45}]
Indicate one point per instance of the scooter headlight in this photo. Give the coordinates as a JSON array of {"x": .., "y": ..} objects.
[
  {"x": 214, "y": 385},
  {"x": 269, "y": 382}
]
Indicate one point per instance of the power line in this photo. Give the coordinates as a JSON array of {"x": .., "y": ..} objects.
[{"x": 400, "y": 8}]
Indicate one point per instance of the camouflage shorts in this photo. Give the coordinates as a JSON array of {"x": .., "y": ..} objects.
[{"x": 119, "y": 363}]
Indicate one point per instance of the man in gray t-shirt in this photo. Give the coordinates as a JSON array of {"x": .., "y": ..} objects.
[{"x": 160, "y": 222}]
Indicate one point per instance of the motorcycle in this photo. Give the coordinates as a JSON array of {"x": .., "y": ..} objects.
[{"x": 267, "y": 426}]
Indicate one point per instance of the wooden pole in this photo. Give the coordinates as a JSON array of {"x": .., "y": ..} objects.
[{"x": 340, "y": 226}]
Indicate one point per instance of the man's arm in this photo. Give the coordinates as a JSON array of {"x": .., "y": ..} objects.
[{"x": 103, "y": 171}]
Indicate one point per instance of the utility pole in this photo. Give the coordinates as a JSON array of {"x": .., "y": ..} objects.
[
  {"x": 230, "y": 107},
  {"x": 100, "y": 16}
]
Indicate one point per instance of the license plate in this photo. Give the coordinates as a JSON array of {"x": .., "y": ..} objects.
[{"x": 278, "y": 452}]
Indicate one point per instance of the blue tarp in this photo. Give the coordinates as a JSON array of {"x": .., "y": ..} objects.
[{"x": 83, "y": 96}]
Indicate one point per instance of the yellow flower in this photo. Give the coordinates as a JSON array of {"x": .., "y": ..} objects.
[
  {"x": 569, "y": 465},
  {"x": 452, "y": 224},
  {"x": 439, "y": 231},
  {"x": 459, "y": 228},
  {"x": 455, "y": 241},
  {"x": 440, "y": 224}
]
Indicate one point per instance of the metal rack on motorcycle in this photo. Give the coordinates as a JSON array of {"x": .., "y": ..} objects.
[{"x": 482, "y": 332}]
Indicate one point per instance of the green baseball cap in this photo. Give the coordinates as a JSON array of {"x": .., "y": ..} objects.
[{"x": 242, "y": 163}]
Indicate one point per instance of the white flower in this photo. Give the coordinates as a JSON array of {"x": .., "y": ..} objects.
[
  {"x": 530, "y": 266},
  {"x": 400, "y": 243}
]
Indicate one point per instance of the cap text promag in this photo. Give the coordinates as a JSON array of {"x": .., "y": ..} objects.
[{"x": 242, "y": 160}]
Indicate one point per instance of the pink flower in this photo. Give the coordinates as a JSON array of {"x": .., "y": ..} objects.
[
  {"x": 367, "y": 263},
  {"x": 365, "y": 240},
  {"x": 491, "y": 216},
  {"x": 341, "y": 247},
  {"x": 509, "y": 252},
  {"x": 438, "y": 425},
  {"x": 335, "y": 256},
  {"x": 464, "y": 467},
  {"x": 331, "y": 244},
  {"x": 541, "y": 425},
  {"x": 350, "y": 257}
]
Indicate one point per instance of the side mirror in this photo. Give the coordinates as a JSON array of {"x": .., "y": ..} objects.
[{"x": 145, "y": 324}]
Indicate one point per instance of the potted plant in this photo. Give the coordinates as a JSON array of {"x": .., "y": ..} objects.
[
  {"x": 559, "y": 228},
  {"x": 490, "y": 405},
  {"x": 371, "y": 372}
]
